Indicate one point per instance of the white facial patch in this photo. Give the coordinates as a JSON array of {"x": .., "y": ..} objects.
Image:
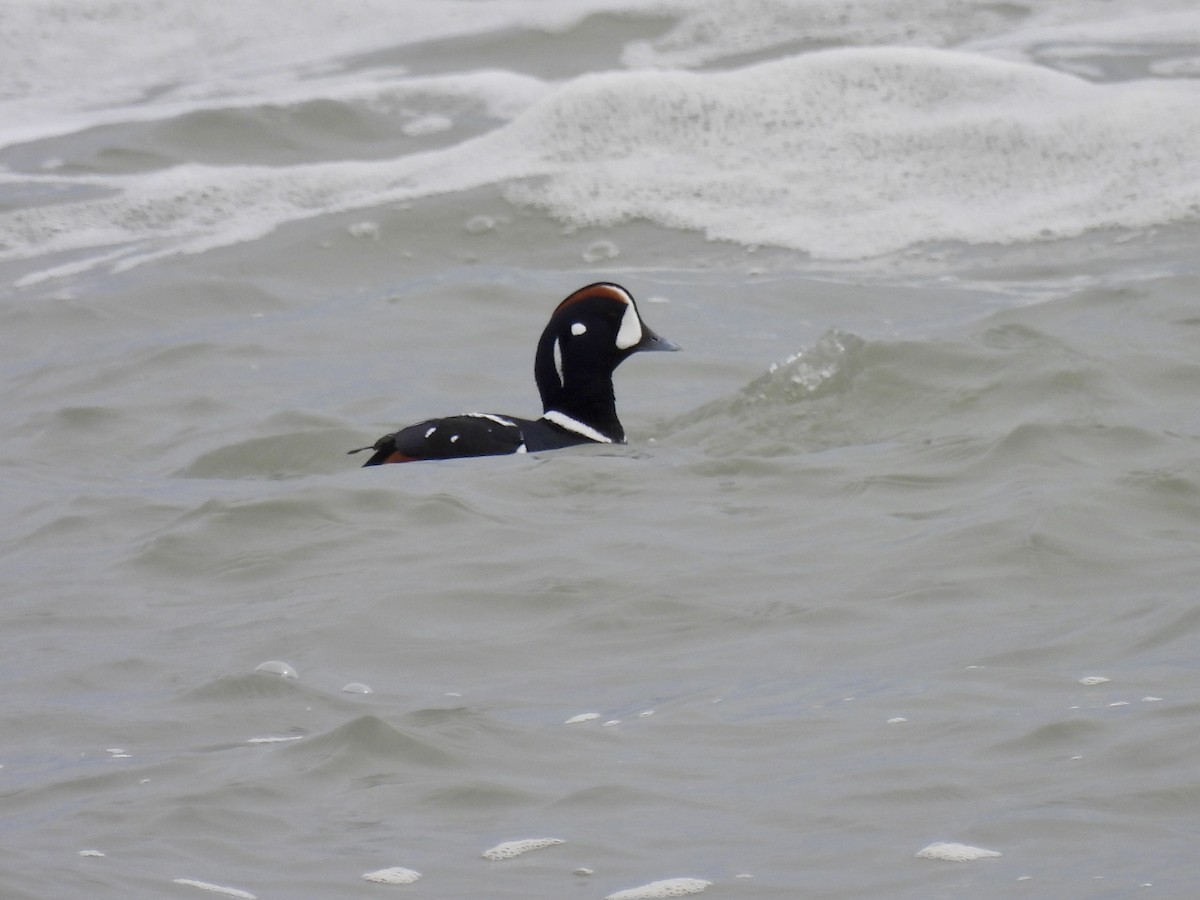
[
  {"x": 558, "y": 362},
  {"x": 578, "y": 328},
  {"x": 630, "y": 331}
]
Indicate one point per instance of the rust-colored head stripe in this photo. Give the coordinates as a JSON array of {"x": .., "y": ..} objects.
[{"x": 600, "y": 289}]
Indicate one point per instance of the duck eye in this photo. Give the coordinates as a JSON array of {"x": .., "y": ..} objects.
[{"x": 578, "y": 328}]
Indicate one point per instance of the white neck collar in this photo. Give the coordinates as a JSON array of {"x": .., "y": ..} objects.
[{"x": 562, "y": 420}]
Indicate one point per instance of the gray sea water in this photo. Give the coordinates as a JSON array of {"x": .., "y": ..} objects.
[{"x": 903, "y": 549}]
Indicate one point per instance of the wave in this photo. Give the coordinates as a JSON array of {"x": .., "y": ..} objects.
[
  {"x": 1005, "y": 396},
  {"x": 840, "y": 154}
]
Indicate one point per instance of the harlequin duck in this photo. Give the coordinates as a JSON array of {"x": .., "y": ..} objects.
[{"x": 589, "y": 334}]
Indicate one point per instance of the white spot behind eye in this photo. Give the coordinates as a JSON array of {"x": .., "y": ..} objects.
[
  {"x": 431, "y": 431},
  {"x": 578, "y": 328},
  {"x": 558, "y": 362},
  {"x": 630, "y": 331}
]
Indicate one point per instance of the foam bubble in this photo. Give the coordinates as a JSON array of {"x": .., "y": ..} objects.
[
  {"x": 356, "y": 687},
  {"x": 364, "y": 230},
  {"x": 1093, "y": 679},
  {"x": 276, "y": 667},
  {"x": 951, "y": 852},
  {"x": 600, "y": 251},
  {"x": 481, "y": 224},
  {"x": 217, "y": 889},
  {"x": 509, "y": 849},
  {"x": 668, "y": 887},
  {"x": 394, "y": 875},
  {"x": 423, "y": 126},
  {"x": 94, "y": 853}
]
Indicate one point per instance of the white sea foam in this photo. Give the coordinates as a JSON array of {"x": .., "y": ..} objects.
[
  {"x": 509, "y": 849},
  {"x": 842, "y": 153},
  {"x": 582, "y": 717},
  {"x": 275, "y": 740},
  {"x": 668, "y": 887},
  {"x": 709, "y": 30},
  {"x": 394, "y": 875},
  {"x": 858, "y": 152},
  {"x": 950, "y": 852},
  {"x": 159, "y": 53}
]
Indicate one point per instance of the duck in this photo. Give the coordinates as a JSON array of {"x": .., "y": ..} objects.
[{"x": 589, "y": 334}]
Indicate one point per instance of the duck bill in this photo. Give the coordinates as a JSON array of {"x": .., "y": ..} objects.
[{"x": 651, "y": 341}]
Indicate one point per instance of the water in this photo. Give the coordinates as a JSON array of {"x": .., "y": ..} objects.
[{"x": 902, "y": 549}]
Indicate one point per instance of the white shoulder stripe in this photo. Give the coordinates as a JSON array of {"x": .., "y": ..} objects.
[
  {"x": 499, "y": 420},
  {"x": 562, "y": 420}
]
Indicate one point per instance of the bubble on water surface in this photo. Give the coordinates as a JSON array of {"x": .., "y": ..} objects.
[
  {"x": 95, "y": 853},
  {"x": 427, "y": 125},
  {"x": 951, "y": 852},
  {"x": 668, "y": 887},
  {"x": 509, "y": 849},
  {"x": 394, "y": 875},
  {"x": 481, "y": 224},
  {"x": 367, "y": 231},
  {"x": 276, "y": 667},
  {"x": 1093, "y": 679},
  {"x": 357, "y": 687},
  {"x": 599, "y": 251}
]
